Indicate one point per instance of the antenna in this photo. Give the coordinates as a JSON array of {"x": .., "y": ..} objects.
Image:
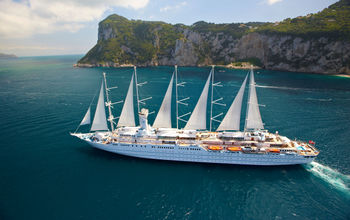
[
  {"x": 212, "y": 102},
  {"x": 179, "y": 101}
]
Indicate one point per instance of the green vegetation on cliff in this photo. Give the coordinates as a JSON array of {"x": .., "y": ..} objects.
[
  {"x": 332, "y": 22},
  {"x": 126, "y": 41},
  {"x": 236, "y": 30}
]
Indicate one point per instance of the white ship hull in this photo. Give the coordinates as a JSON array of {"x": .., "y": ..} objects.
[{"x": 197, "y": 154}]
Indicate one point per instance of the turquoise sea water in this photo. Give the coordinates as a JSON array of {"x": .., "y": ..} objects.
[{"x": 47, "y": 174}]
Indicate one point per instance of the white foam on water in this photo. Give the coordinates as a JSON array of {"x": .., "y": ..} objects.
[
  {"x": 321, "y": 100},
  {"x": 280, "y": 87},
  {"x": 331, "y": 176}
]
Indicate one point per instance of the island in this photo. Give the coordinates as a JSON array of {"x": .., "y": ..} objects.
[
  {"x": 7, "y": 56},
  {"x": 317, "y": 43}
]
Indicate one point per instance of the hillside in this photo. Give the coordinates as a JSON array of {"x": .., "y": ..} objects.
[
  {"x": 332, "y": 22},
  {"x": 314, "y": 43},
  {"x": 7, "y": 56}
]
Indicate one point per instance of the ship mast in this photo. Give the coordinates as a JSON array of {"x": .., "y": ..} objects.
[
  {"x": 137, "y": 91},
  {"x": 179, "y": 101},
  {"x": 109, "y": 103},
  {"x": 212, "y": 101},
  {"x": 246, "y": 111},
  {"x": 176, "y": 98},
  {"x": 142, "y": 101}
]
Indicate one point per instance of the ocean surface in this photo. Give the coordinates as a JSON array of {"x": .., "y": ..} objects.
[{"x": 47, "y": 174}]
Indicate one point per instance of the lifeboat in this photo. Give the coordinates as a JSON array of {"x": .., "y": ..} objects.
[
  {"x": 234, "y": 149},
  {"x": 216, "y": 148},
  {"x": 273, "y": 150}
]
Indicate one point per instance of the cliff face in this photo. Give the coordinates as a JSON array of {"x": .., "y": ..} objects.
[
  {"x": 281, "y": 46},
  {"x": 320, "y": 55}
]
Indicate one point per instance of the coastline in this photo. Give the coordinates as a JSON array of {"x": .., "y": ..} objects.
[
  {"x": 342, "y": 75},
  {"x": 115, "y": 65},
  {"x": 88, "y": 65},
  {"x": 228, "y": 66}
]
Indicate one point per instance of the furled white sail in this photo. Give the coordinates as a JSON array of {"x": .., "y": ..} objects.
[
  {"x": 253, "y": 119},
  {"x": 87, "y": 118},
  {"x": 100, "y": 123},
  {"x": 163, "y": 119},
  {"x": 232, "y": 118},
  {"x": 127, "y": 117},
  {"x": 198, "y": 119}
]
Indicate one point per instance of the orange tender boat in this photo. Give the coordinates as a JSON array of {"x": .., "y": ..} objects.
[
  {"x": 235, "y": 149},
  {"x": 273, "y": 150},
  {"x": 215, "y": 148}
]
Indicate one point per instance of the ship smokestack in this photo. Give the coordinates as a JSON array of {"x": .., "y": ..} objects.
[{"x": 143, "y": 115}]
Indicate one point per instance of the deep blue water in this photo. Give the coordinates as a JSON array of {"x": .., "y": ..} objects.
[{"x": 47, "y": 174}]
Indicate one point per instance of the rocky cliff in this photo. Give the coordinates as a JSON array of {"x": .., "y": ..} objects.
[
  {"x": 318, "y": 55},
  {"x": 294, "y": 44}
]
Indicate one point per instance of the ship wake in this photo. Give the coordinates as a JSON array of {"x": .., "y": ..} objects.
[
  {"x": 280, "y": 87},
  {"x": 331, "y": 176}
]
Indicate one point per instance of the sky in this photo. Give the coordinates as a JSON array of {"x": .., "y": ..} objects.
[{"x": 58, "y": 27}]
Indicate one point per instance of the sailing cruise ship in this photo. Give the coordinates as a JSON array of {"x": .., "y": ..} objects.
[{"x": 195, "y": 142}]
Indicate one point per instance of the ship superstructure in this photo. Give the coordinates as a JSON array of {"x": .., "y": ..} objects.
[{"x": 195, "y": 142}]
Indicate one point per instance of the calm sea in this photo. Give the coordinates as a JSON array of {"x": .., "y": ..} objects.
[{"x": 47, "y": 174}]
